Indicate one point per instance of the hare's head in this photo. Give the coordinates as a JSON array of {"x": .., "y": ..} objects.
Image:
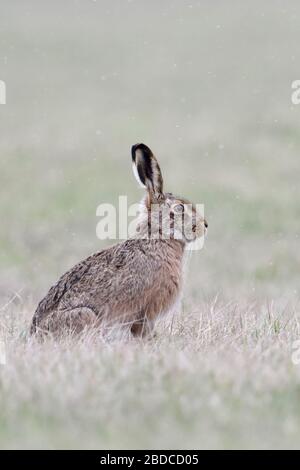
[{"x": 163, "y": 215}]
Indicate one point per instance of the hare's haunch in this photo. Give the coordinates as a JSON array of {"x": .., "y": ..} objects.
[{"x": 134, "y": 282}]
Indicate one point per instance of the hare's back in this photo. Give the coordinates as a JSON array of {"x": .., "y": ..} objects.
[
  {"x": 77, "y": 279},
  {"x": 108, "y": 276}
]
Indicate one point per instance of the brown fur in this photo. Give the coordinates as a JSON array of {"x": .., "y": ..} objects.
[{"x": 129, "y": 283}]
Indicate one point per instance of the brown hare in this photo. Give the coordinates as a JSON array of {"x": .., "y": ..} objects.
[{"x": 134, "y": 282}]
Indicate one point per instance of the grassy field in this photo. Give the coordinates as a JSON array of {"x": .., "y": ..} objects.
[{"x": 207, "y": 85}]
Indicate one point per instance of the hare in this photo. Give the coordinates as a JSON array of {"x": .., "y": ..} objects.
[{"x": 133, "y": 282}]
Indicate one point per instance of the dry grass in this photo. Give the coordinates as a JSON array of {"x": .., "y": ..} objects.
[{"x": 220, "y": 376}]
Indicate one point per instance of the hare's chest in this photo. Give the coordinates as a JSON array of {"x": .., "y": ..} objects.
[{"x": 166, "y": 290}]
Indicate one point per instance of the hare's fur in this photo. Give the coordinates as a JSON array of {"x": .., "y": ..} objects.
[{"x": 130, "y": 283}]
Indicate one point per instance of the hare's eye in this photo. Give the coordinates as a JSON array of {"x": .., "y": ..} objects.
[{"x": 179, "y": 208}]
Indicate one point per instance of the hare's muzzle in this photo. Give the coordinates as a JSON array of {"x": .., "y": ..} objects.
[{"x": 205, "y": 224}]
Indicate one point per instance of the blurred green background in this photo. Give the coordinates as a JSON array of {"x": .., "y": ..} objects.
[{"x": 207, "y": 85}]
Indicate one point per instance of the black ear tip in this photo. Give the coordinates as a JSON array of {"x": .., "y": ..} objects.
[
  {"x": 134, "y": 148},
  {"x": 141, "y": 147}
]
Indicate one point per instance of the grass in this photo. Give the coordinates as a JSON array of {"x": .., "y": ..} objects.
[
  {"x": 208, "y": 87},
  {"x": 222, "y": 376}
]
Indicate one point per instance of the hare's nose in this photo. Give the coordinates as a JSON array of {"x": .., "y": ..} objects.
[{"x": 205, "y": 224}]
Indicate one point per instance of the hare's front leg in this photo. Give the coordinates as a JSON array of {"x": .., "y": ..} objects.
[{"x": 142, "y": 328}]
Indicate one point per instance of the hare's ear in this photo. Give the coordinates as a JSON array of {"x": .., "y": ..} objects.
[{"x": 146, "y": 170}]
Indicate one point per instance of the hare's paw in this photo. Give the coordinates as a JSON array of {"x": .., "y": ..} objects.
[{"x": 142, "y": 329}]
